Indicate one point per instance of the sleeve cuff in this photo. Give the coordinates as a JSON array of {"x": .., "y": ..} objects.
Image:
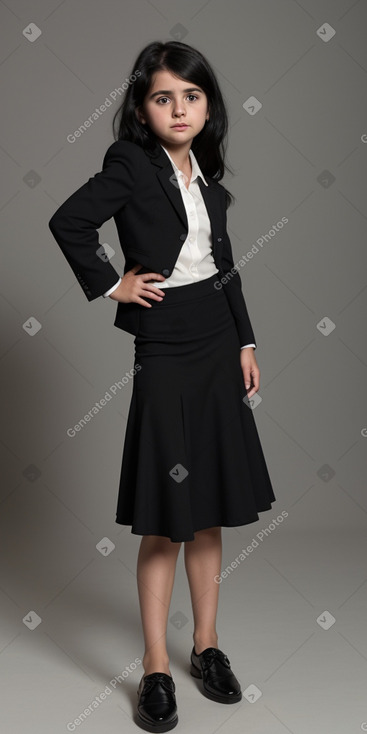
[{"x": 107, "y": 293}]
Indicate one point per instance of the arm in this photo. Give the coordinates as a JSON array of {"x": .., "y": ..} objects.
[
  {"x": 233, "y": 290},
  {"x": 74, "y": 225}
]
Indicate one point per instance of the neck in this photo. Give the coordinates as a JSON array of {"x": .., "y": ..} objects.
[{"x": 179, "y": 153}]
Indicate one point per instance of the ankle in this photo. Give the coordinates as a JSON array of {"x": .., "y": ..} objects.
[
  {"x": 156, "y": 663},
  {"x": 201, "y": 642}
]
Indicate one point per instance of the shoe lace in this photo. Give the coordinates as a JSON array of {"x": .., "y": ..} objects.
[
  {"x": 149, "y": 683},
  {"x": 211, "y": 654}
]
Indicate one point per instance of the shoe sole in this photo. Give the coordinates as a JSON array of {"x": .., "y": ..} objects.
[
  {"x": 159, "y": 728},
  {"x": 213, "y": 696}
]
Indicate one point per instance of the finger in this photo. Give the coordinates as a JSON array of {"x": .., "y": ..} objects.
[
  {"x": 151, "y": 289},
  {"x": 247, "y": 377},
  {"x": 142, "y": 302},
  {"x": 150, "y": 294},
  {"x": 254, "y": 386},
  {"x": 152, "y": 276}
]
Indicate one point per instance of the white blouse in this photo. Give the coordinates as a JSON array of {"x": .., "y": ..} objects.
[{"x": 195, "y": 260}]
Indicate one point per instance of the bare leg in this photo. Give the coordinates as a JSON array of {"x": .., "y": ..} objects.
[
  {"x": 203, "y": 558},
  {"x": 156, "y": 567}
]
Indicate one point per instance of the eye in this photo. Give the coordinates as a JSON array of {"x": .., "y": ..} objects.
[{"x": 160, "y": 99}]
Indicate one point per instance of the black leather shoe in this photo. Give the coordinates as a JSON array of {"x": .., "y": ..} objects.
[
  {"x": 219, "y": 682},
  {"x": 157, "y": 709}
]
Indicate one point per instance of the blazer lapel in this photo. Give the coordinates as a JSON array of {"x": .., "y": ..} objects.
[{"x": 211, "y": 195}]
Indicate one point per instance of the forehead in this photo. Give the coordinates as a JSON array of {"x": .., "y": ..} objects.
[{"x": 168, "y": 80}]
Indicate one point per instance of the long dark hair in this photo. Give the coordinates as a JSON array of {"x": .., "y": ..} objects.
[{"x": 189, "y": 64}]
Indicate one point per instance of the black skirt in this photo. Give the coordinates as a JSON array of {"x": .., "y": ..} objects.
[{"x": 192, "y": 457}]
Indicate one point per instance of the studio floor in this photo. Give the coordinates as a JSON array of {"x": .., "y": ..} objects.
[{"x": 291, "y": 619}]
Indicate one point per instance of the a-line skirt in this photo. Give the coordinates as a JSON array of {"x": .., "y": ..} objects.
[{"x": 192, "y": 457}]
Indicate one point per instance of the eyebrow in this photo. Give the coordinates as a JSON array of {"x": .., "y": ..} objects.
[{"x": 169, "y": 91}]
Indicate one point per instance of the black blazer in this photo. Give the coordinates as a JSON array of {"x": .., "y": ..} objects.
[{"x": 141, "y": 193}]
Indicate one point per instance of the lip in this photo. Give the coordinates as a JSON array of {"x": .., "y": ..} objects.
[{"x": 180, "y": 127}]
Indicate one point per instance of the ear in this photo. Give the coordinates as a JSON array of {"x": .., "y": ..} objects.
[{"x": 140, "y": 116}]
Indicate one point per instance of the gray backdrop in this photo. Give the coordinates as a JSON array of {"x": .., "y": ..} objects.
[{"x": 292, "y": 612}]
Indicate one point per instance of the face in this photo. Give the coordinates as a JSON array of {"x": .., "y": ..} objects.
[{"x": 170, "y": 101}]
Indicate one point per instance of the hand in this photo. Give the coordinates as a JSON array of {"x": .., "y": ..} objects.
[
  {"x": 133, "y": 287},
  {"x": 250, "y": 369}
]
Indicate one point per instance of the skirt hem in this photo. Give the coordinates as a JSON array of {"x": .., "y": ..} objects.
[{"x": 134, "y": 530}]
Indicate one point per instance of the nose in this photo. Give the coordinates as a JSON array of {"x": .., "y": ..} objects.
[{"x": 179, "y": 109}]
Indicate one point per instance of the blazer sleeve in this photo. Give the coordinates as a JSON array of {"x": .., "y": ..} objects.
[
  {"x": 74, "y": 225},
  {"x": 233, "y": 289}
]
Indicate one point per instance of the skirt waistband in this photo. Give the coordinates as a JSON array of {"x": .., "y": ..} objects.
[{"x": 188, "y": 292}]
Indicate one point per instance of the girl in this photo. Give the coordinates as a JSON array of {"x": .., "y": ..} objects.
[{"x": 192, "y": 459}]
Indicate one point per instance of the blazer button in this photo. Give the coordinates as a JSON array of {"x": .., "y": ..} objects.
[
  {"x": 219, "y": 239},
  {"x": 165, "y": 272},
  {"x": 183, "y": 236}
]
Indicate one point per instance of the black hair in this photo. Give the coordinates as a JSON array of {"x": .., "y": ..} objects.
[{"x": 189, "y": 64}]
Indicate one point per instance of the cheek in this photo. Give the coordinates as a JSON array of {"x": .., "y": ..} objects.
[
  {"x": 157, "y": 114},
  {"x": 203, "y": 109}
]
